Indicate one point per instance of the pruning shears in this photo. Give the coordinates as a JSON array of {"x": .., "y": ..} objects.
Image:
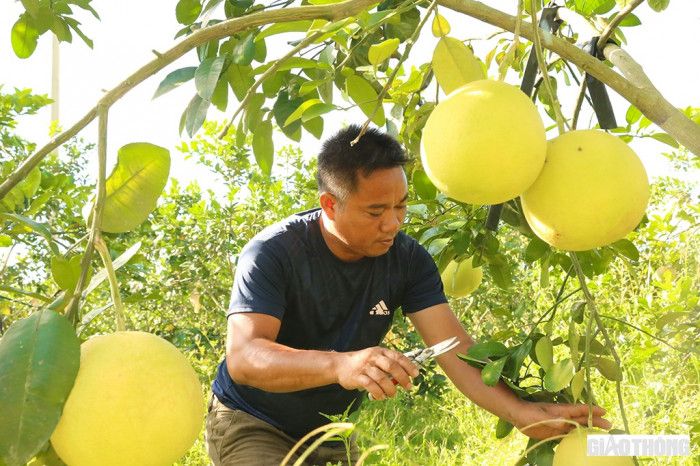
[{"x": 420, "y": 355}]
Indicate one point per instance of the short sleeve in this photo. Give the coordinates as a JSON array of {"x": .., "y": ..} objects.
[
  {"x": 259, "y": 281},
  {"x": 423, "y": 285}
]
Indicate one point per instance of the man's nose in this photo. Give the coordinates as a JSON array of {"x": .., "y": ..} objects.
[{"x": 391, "y": 222}]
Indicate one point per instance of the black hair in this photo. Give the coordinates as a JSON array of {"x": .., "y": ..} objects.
[{"x": 339, "y": 162}]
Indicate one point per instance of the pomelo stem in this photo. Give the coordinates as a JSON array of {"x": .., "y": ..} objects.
[
  {"x": 513, "y": 49},
  {"x": 101, "y": 247}
]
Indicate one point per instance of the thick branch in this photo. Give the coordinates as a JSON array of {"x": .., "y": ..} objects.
[
  {"x": 651, "y": 104},
  {"x": 333, "y": 12},
  {"x": 669, "y": 118}
]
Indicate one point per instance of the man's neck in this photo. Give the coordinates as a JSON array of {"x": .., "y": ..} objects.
[{"x": 336, "y": 246}]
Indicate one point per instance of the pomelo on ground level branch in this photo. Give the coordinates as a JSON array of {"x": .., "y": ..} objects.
[
  {"x": 572, "y": 451},
  {"x": 593, "y": 191},
  {"x": 460, "y": 278},
  {"x": 136, "y": 400},
  {"x": 484, "y": 144}
]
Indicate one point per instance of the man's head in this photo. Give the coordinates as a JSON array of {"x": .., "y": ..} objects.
[{"x": 363, "y": 192}]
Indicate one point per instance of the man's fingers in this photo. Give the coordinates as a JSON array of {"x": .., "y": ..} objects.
[
  {"x": 382, "y": 380},
  {"x": 582, "y": 410},
  {"x": 372, "y": 387},
  {"x": 394, "y": 369}
]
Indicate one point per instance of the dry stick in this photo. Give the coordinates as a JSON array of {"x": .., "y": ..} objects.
[
  {"x": 579, "y": 102},
  {"x": 603, "y": 39},
  {"x": 647, "y": 99},
  {"x": 647, "y": 334},
  {"x": 368, "y": 452},
  {"x": 269, "y": 72},
  {"x": 74, "y": 304},
  {"x": 113, "y": 283},
  {"x": 513, "y": 49},
  {"x": 332, "y": 12},
  {"x": 409, "y": 45},
  {"x": 537, "y": 44},
  {"x": 339, "y": 426},
  {"x": 593, "y": 308}
]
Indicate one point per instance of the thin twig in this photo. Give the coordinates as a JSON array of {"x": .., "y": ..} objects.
[
  {"x": 593, "y": 308},
  {"x": 537, "y": 44},
  {"x": 513, "y": 49},
  {"x": 579, "y": 102},
  {"x": 409, "y": 45},
  {"x": 101, "y": 247},
  {"x": 603, "y": 39},
  {"x": 644, "y": 332},
  {"x": 269, "y": 72},
  {"x": 73, "y": 306}
]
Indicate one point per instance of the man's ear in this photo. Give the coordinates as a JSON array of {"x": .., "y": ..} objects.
[{"x": 329, "y": 204}]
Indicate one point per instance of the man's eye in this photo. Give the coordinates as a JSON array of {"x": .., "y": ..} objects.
[{"x": 374, "y": 214}]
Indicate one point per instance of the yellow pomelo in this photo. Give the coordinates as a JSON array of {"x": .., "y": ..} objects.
[
  {"x": 484, "y": 144},
  {"x": 593, "y": 190},
  {"x": 460, "y": 278},
  {"x": 136, "y": 400},
  {"x": 572, "y": 451}
]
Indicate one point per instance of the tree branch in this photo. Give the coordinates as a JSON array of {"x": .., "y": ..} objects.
[
  {"x": 670, "y": 119},
  {"x": 333, "y": 12},
  {"x": 603, "y": 39}
]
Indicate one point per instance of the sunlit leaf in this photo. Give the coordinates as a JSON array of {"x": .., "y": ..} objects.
[
  {"x": 24, "y": 37},
  {"x": 263, "y": 147},
  {"x": 187, "y": 11},
  {"x": 559, "y": 376},
  {"x": 440, "y": 26},
  {"x": 363, "y": 94},
  {"x": 544, "y": 351},
  {"x": 207, "y": 75},
  {"x": 382, "y": 51},
  {"x": 455, "y": 65},
  {"x": 175, "y": 79}
]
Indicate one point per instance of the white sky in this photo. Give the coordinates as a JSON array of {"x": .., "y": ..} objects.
[{"x": 665, "y": 45}]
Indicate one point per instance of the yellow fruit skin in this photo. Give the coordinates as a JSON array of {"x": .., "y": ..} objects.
[
  {"x": 593, "y": 191},
  {"x": 484, "y": 144},
  {"x": 571, "y": 451},
  {"x": 459, "y": 278},
  {"x": 136, "y": 401}
]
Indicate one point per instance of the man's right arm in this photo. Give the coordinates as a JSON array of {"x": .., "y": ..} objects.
[{"x": 254, "y": 358}]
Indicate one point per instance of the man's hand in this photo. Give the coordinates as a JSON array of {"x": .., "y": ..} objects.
[
  {"x": 372, "y": 369},
  {"x": 536, "y": 412}
]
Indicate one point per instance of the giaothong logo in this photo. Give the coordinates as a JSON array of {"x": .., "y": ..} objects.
[{"x": 638, "y": 445}]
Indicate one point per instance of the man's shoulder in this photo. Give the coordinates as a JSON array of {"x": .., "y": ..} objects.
[{"x": 288, "y": 233}]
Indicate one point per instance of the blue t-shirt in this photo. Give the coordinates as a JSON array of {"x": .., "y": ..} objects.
[{"x": 287, "y": 271}]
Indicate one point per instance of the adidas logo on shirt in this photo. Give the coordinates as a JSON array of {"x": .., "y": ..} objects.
[{"x": 379, "y": 309}]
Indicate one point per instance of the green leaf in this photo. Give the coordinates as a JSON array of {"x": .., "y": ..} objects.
[
  {"x": 633, "y": 114},
  {"x": 425, "y": 189},
  {"x": 5, "y": 241},
  {"x": 61, "y": 29},
  {"x": 220, "y": 96},
  {"x": 240, "y": 79},
  {"x": 243, "y": 51},
  {"x": 24, "y": 37},
  {"x": 630, "y": 20},
  {"x": 492, "y": 371},
  {"x": 441, "y": 27},
  {"x": 658, "y": 5},
  {"x": 207, "y": 75},
  {"x": 66, "y": 272},
  {"x": 175, "y": 79},
  {"x": 503, "y": 428},
  {"x": 593, "y": 7},
  {"x": 487, "y": 349},
  {"x": 253, "y": 111},
  {"x": 536, "y": 249},
  {"x": 501, "y": 275},
  {"x": 30, "y": 225},
  {"x": 518, "y": 357},
  {"x": 577, "y": 384},
  {"x": 627, "y": 249},
  {"x": 363, "y": 94},
  {"x": 283, "y": 107},
  {"x": 544, "y": 352},
  {"x": 669, "y": 318},
  {"x": 73, "y": 24},
  {"x": 382, "y": 51},
  {"x": 608, "y": 369},
  {"x": 559, "y": 376},
  {"x": 666, "y": 139},
  {"x": 39, "y": 359},
  {"x": 187, "y": 11},
  {"x": 196, "y": 113},
  {"x": 32, "y": 7},
  {"x": 263, "y": 147},
  {"x": 455, "y": 65},
  {"x": 310, "y": 109},
  {"x": 314, "y": 126},
  {"x": 279, "y": 28},
  {"x": 134, "y": 186}
]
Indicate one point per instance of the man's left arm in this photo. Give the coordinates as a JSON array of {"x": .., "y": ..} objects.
[{"x": 437, "y": 323}]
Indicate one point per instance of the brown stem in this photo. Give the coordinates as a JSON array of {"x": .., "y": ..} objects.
[{"x": 603, "y": 39}]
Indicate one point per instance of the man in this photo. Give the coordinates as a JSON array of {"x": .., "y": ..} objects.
[{"x": 312, "y": 298}]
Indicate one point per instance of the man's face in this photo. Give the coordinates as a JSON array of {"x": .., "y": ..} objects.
[{"x": 367, "y": 221}]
